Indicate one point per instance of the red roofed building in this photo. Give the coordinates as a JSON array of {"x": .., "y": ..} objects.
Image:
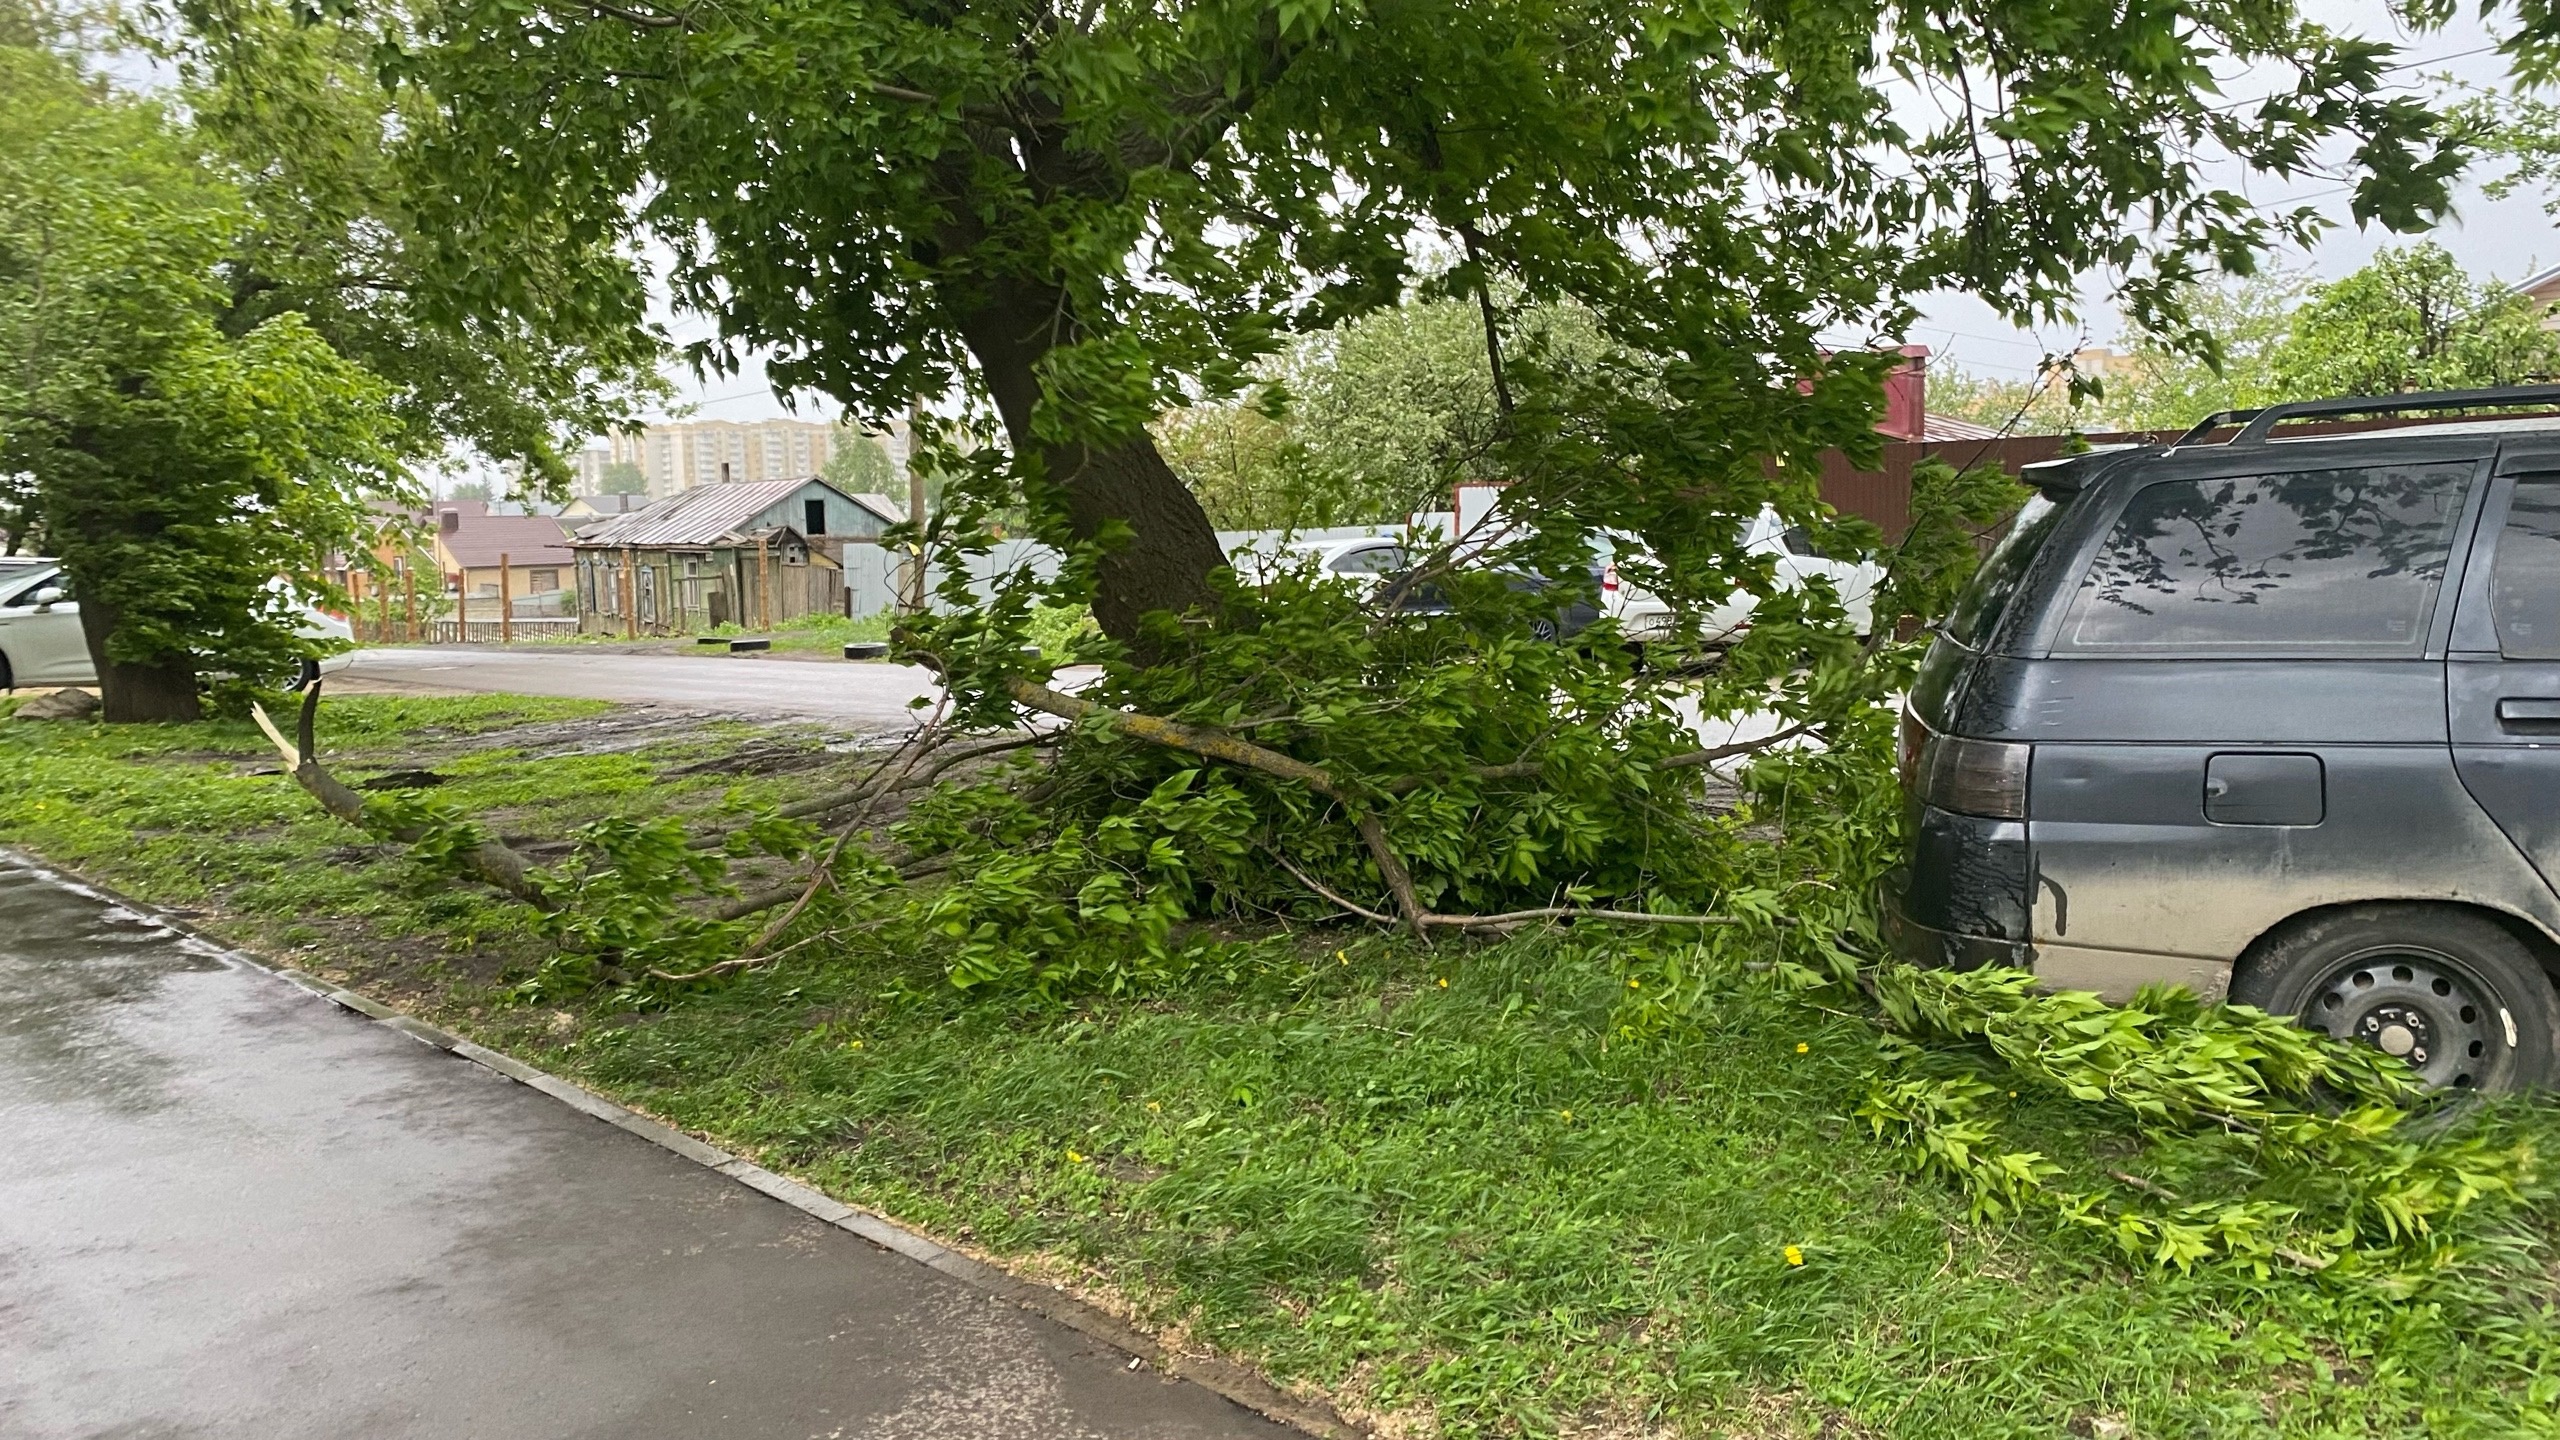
[{"x": 473, "y": 547}]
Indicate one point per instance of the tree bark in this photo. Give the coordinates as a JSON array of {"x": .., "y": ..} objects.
[
  {"x": 1009, "y": 325},
  {"x": 164, "y": 691}
]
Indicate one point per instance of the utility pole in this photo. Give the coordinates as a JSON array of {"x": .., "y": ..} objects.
[{"x": 915, "y": 576}]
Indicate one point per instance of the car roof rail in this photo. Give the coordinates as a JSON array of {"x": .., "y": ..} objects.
[{"x": 2255, "y": 424}]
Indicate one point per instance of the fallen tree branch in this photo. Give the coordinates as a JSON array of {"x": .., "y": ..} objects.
[
  {"x": 1487, "y": 922},
  {"x": 725, "y": 967},
  {"x": 1576, "y": 912},
  {"x": 1688, "y": 760},
  {"x": 870, "y": 787},
  {"x": 1177, "y": 735},
  {"x": 1711, "y": 755},
  {"x": 926, "y": 739},
  {"x": 1235, "y": 750},
  {"x": 1318, "y": 886},
  {"x": 490, "y": 860},
  {"x": 757, "y": 901}
]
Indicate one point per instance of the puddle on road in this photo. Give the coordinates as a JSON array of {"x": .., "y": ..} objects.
[{"x": 73, "y": 968}]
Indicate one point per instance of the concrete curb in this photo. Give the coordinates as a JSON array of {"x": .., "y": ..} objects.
[{"x": 1235, "y": 1382}]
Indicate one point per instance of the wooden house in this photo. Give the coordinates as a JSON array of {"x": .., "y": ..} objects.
[{"x": 752, "y": 554}]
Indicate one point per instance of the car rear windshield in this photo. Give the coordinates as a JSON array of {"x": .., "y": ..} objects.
[
  {"x": 2333, "y": 560},
  {"x": 1979, "y": 610}
]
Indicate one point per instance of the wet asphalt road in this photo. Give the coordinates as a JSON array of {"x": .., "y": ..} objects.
[
  {"x": 230, "y": 1208},
  {"x": 863, "y": 694}
]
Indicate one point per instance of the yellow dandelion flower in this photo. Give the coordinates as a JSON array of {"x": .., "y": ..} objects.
[
  {"x": 1795, "y": 1255},
  {"x": 1635, "y": 984},
  {"x": 1075, "y": 1159},
  {"x": 1566, "y": 1114},
  {"x": 1802, "y": 1048},
  {"x": 1152, "y": 1105},
  {"x": 1444, "y": 982}
]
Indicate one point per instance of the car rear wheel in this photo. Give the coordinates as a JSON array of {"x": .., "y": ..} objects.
[
  {"x": 2454, "y": 994},
  {"x": 8, "y": 681}
]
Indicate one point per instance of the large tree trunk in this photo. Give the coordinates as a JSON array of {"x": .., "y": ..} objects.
[
  {"x": 165, "y": 691},
  {"x": 1166, "y": 563}
]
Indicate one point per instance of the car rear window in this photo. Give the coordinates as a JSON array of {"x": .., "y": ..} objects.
[
  {"x": 1979, "y": 610},
  {"x": 2345, "y": 560}
]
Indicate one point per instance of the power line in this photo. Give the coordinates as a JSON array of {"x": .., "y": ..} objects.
[{"x": 2386, "y": 70}]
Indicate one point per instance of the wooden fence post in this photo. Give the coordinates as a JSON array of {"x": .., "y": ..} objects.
[
  {"x": 630, "y": 598},
  {"x": 409, "y": 596},
  {"x": 764, "y": 588},
  {"x": 506, "y": 601}
]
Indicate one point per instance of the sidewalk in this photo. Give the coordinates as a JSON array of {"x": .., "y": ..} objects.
[{"x": 233, "y": 1208}]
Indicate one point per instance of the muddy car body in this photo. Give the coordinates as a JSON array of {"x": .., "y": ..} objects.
[{"x": 2277, "y": 718}]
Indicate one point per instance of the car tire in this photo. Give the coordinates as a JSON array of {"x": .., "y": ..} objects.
[
  {"x": 2452, "y": 991},
  {"x": 8, "y": 679}
]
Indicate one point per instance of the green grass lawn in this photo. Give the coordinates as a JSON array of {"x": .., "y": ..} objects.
[{"x": 1448, "y": 1189}]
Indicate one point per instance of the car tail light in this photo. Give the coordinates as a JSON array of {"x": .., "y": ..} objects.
[
  {"x": 1609, "y": 579},
  {"x": 1975, "y": 777}
]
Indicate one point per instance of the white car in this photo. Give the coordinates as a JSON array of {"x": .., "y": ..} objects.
[
  {"x": 1643, "y": 616},
  {"x": 1361, "y": 560},
  {"x": 40, "y": 639}
]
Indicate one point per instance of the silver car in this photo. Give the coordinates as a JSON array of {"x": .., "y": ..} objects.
[{"x": 41, "y": 644}]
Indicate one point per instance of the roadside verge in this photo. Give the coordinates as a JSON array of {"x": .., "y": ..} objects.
[{"x": 1236, "y": 1383}]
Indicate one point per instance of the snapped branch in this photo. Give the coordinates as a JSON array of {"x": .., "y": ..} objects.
[{"x": 490, "y": 859}]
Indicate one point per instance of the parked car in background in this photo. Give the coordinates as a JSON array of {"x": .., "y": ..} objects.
[
  {"x": 1361, "y": 560},
  {"x": 2277, "y": 718},
  {"x": 1644, "y": 617},
  {"x": 41, "y": 643}
]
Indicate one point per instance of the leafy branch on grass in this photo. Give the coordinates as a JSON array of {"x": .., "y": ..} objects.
[
  {"x": 426, "y": 829},
  {"x": 2324, "y": 1129}
]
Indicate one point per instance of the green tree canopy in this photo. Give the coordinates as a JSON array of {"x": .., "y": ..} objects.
[
  {"x": 2409, "y": 320},
  {"x": 1093, "y": 216},
  {"x": 222, "y": 342},
  {"x": 296, "y": 115},
  {"x": 861, "y": 465},
  {"x": 177, "y": 464},
  {"x": 2412, "y": 320},
  {"x": 621, "y": 477},
  {"x": 1368, "y": 422}
]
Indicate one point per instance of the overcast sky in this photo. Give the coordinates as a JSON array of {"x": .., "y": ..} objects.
[{"x": 2505, "y": 239}]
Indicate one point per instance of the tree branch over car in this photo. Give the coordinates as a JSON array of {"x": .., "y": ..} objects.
[{"x": 1087, "y": 218}]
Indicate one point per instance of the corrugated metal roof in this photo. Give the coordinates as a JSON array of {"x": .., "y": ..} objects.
[
  {"x": 1950, "y": 427},
  {"x": 703, "y": 515},
  {"x": 882, "y": 506}
]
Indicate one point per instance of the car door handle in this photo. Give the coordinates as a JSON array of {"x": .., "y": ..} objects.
[{"x": 2530, "y": 717}]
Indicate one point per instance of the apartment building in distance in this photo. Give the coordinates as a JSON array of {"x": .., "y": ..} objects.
[{"x": 680, "y": 455}]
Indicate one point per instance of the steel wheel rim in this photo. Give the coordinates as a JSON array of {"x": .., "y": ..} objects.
[{"x": 2421, "y": 1006}]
